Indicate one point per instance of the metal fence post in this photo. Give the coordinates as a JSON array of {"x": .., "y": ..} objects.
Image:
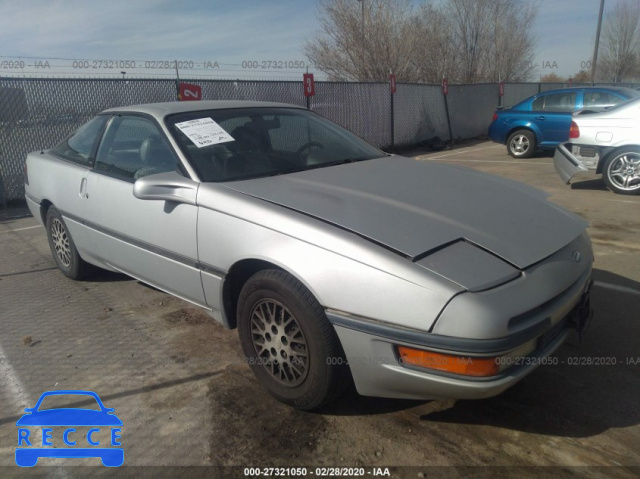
[
  {"x": 445, "y": 92},
  {"x": 3, "y": 196},
  {"x": 392, "y": 91},
  {"x": 393, "y": 136}
]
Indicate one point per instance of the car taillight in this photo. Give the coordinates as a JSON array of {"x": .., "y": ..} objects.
[
  {"x": 495, "y": 116},
  {"x": 574, "y": 131}
]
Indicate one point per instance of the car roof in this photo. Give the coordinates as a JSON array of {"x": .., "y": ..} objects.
[
  {"x": 627, "y": 91},
  {"x": 161, "y": 110}
]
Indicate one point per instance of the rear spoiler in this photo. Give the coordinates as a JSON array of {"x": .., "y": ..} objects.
[{"x": 591, "y": 109}]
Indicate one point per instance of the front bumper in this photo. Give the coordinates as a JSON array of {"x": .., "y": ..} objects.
[
  {"x": 371, "y": 352},
  {"x": 566, "y": 164}
]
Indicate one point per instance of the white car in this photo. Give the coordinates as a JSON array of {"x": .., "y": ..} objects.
[{"x": 608, "y": 142}]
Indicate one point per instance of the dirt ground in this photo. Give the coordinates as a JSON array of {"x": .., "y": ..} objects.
[{"x": 191, "y": 407}]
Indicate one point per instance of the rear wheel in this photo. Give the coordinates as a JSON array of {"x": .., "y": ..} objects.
[
  {"x": 621, "y": 171},
  {"x": 63, "y": 248},
  {"x": 288, "y": 341},
  {"x": 521, "y": 144}
]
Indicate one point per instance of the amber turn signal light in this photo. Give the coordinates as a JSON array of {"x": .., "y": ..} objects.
[{"x": 464, "y": 365}]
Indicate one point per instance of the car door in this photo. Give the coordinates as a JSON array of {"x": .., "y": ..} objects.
[
  {"x": 152, "y": 240},
  {"x": 78, "y": 151},
  {"x": 552, "y": 114}
]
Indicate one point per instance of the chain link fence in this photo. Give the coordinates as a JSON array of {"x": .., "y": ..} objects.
[
  {"x": 471, "y": 109},
  {"x": 516, "y": 92},
  {"x": 38, "y": 113},
  {"x": 419, "y": 114}
]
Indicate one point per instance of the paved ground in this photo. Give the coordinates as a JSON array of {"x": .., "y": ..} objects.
[{"x": 178, "y": 382}]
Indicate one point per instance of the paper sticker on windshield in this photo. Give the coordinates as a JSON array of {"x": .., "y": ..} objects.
[{"x": 204, "y": 132}]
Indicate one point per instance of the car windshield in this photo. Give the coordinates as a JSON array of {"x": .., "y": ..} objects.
[{"x": 242, "y": 143}]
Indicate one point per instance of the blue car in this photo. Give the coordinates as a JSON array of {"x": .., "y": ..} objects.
[
  {"x": 543, "y": 120},
  {"x": 27, "y": 454}
]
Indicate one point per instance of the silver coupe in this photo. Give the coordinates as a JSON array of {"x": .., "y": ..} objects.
[{"x": 335, "y": 261}]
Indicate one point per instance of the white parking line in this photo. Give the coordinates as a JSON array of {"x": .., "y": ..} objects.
[
  {"x": 11, "y": 380},
  {"x": 504, "y": 162},
  {"x": 615, "y": 287},
  {"x": 621, "y": 201},
  {"x": 462, "y": 150},
  {"x": 22, "y": 229}
]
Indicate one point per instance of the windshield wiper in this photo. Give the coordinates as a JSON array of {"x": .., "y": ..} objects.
[{"x": 335, "y": 163}]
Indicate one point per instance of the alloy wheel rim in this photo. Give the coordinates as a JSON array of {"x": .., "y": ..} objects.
[
  {"x": 520, "y": 144},
  {"x": 279, "y": 342},
  {"x": 61, "y": 242},
  {"x": 624, "y": 171}
]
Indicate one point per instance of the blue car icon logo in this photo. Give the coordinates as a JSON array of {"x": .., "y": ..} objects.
[{"x": 98, "y": 422}]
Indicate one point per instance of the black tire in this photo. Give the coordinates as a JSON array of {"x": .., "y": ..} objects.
[
  {"x": 621, "y": 171},
  {"x": 521, "y": 144},
  {"x": 63, "y": 248},
  {"x": 288, "y": 341}
]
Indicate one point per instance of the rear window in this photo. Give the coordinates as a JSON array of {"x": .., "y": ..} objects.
[
  {"x": 600, "y": 99},
  {"x": 632, "y": 102}
]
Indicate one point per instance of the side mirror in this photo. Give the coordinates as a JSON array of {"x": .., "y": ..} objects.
[{"x": 166, "y": 186}]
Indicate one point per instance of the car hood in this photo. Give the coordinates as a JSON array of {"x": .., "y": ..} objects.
[{"x": 415, "y": 207}]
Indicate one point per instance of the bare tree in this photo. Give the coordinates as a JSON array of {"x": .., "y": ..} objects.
[
  {"x": 389, "y": 41},
  {"x": 582, "y": 76},
  {"x": 512, "y": 58},
  {"x": 436, "y": 55},
  {"x": 471, "y": 22},
  {"x": 468, "y": 40},
  {"x": 552, "y": 78},
  {"x": 493, "y": 38},
  {"x": 620, "y": 41}
]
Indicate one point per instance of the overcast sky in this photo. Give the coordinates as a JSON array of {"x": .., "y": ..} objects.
[{"x": 52, "y": 36}]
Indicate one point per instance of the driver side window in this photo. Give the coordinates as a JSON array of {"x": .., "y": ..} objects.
[{"x": 133, "y": 147}]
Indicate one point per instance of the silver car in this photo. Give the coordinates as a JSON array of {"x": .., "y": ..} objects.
[{"x": 336, "y": 261}]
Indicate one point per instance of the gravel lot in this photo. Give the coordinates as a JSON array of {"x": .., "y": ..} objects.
[{"x": 179, "y": 383}]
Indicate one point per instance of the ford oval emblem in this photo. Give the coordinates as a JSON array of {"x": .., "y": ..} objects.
[{"x": 576, "y": 256}]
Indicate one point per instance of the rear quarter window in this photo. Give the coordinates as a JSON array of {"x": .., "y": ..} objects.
[
  {"x": 538, "y": 104},
  {"x": 78, "y": 147}
]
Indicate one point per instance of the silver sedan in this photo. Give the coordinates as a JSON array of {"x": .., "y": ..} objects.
[{"x": 335, "y": 261}]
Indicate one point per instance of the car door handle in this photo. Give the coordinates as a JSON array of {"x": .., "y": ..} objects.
[
  {"x": 541, "y": 118},
  {"x": 83, "y": 189}
]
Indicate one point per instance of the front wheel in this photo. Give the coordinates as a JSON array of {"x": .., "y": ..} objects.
[
  {"x": 288, "y": 341},
  {"x": 621, "y": 171},
  {"x": 521, "y": 144}
]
